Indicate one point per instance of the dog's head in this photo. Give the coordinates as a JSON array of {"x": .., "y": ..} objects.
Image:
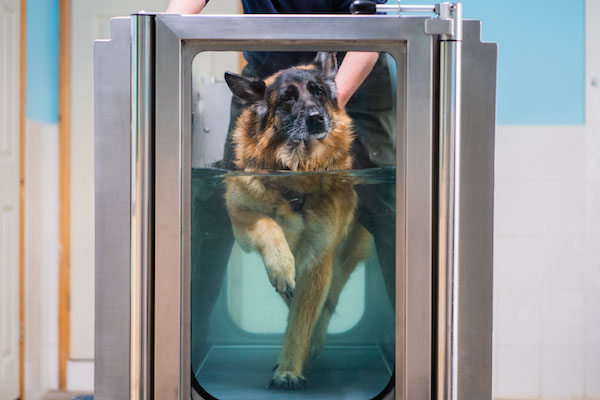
[{"x": 292, "y": 120}]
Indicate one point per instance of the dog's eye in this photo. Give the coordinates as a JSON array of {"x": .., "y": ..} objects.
[
  {"x": 289, "y": 95},
  {"x": 315, "y": 89}
]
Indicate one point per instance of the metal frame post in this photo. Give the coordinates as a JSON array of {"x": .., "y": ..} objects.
[
  {"x": 449, "y": 203},
  {"x": 142, "y": 222}
]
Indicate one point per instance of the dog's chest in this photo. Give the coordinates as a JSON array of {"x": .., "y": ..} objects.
[
  {"x": 292, "y": 213},
  {"x": 311, "y": 221},
  {"x": 295, "y": 200}
]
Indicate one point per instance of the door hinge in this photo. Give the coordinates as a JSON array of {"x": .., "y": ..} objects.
[
  {"x": 449, "y": 22},
  {"x": 437, "y": 26}
]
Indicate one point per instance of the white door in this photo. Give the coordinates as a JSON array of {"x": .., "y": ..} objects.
[{"x": 9, "y": 199}]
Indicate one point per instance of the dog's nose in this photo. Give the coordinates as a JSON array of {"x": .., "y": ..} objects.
[{"x": 315, "y": 121}]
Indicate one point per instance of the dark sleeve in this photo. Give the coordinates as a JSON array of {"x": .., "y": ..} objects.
[{"x": 344, "y": 5}]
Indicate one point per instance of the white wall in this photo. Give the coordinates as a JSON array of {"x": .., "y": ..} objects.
[
  {"x": 542, "y": 250},
  {"x": 547, "y": 252}
]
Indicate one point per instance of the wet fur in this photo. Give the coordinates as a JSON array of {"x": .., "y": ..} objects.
[{"x": 309, "y": 253}]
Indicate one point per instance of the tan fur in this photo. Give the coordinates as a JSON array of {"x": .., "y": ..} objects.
[{"x": 310, "y": 253}]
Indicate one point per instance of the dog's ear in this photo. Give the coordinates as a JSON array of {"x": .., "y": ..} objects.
[
  {"x": 326, "y": 63},
  {"x": 248, "y": 90}
]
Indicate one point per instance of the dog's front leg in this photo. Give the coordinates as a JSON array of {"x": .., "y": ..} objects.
[
  {"x": 263, "y": 234},
  {"x": 305, "y": 308}
]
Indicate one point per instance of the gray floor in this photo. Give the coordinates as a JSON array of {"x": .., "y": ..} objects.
[
  {"x": 61, "y": 395},
  {"x": 243, "y": 372}
]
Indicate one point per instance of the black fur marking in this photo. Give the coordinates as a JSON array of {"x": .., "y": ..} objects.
[
  {"x": 327, "y": 64},
  {"x": 248, "y": 90},
  {"x": 300, "y": 99},
  {"x": 296, "y": 200}
]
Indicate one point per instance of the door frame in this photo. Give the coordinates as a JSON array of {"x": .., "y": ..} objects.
[
  {"x": 22, "y": 126},
  {"x": 172, "y": 131},
  {"x": 64, "y": 189}
]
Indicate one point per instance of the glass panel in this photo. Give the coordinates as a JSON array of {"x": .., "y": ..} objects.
[
  {"x": 293, "y": 227},
  {"x": 249, "y": 289}
]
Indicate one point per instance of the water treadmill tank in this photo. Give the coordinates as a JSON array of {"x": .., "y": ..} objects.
[{"x": 257, "y": 239}]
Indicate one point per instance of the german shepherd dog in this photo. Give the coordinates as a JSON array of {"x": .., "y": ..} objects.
[{"x": 302, "y": 225}]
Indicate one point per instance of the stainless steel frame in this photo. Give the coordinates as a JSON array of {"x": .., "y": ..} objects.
[
  {"x": 476, "y": 215},
  {"x": 448, "y": 201},
  {"x": 424, "y": 63},
  {"x": 142, "y": 199},
  {"x": 181, "y": 38},
  {"x": 112, "y": 148}
]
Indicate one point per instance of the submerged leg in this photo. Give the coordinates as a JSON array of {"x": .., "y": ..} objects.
[
  {"x": 309, "y": 296},
  {"x": 357, "y": 248}
]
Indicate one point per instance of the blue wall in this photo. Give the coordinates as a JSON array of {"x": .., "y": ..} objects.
[
  {"x": 42, "y": 61},
  {"x": 541, "y": 57}
]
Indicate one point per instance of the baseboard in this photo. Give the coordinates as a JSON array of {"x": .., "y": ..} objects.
[{"x": 80, "y": 376}]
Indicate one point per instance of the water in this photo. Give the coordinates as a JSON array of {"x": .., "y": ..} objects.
[{"x": 238, "y": 319}]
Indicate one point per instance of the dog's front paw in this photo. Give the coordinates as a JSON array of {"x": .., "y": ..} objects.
[
  {"x": 287, "y": 381},
  {"x": 281, "y": 272}
]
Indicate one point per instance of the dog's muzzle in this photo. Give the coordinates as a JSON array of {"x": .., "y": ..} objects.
[
  {"x": 315, "y": 123},
  {"x": 309, "y": 124}
]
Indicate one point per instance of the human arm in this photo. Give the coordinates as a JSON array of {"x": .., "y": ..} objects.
[
  {"x": 354, "y": 69},
  {"x": 186, "y": 6}
]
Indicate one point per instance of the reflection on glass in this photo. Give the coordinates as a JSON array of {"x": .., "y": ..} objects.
[{"x": 293, "y": 230}]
